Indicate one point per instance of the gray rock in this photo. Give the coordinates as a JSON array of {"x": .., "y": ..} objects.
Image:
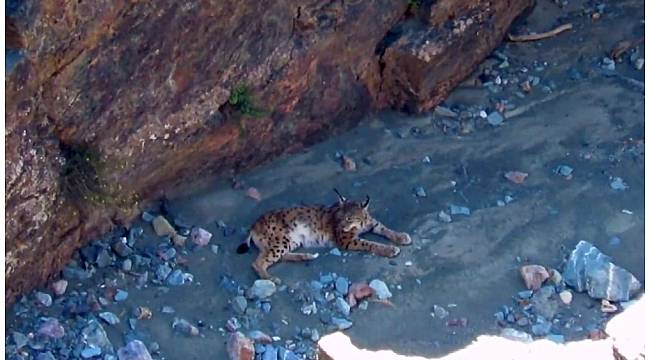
[
  {"x": 261, "y": 289},
  {"x": 559, "y": 339},
  {"x": 608, "y": 64},
  {"x": 167, "y": 310},
  {"x": 19, "y": 339},
  {"x": 94, "y": 335},
  {"x": 109, "y": 317},
  {"x": 270, "y": 352},
  {"x": 342, "y": 285},
  {"x": 618, "y": 184},
  {"x": 134, "y": 350},
  {"x": 121, "y": 295},
  {"x": 419, "y": 191},
  {"x": 588, "y": 269},
  {"x": 90, "y": 351},
  {"x": 342, "y": 306},
  {"x": 127, "y": 265},
  {"x": 381, "y": 290},
  {"x": 148, "y": 217},
  {"x": 163, "y": 271},
  {"x": 440, "y": 312},
  {"x": 59, "y": 287},
  {"x": 444, "y": 217},
  {"x": 315, "y": 336},
  {"x": 340, "y": 323},
  {"x": 178, "y": 277},
  {"x": 215, "y": 249},
  {"x": 121, "y": 248},
  {"x": 284, "y": 354},
  {"x": 563, "y": 170},
  {"x": 495, "y": 118},
  {"x": 459, "y": 210},
  {"x": 546, "y": 302},
  {"x": 335, "y": 252},
  {"x": 51, "y": 328},
  {"x": 104, "y": 259},
  {"x": 526, "y": 294},
  {"x": 43, "y": 299},
  {"x": 45, "y": 356},
  {"x": 541, "y": 329},
  {"x": 239, "y": 304},
  {"x": 512, "y": 334}
]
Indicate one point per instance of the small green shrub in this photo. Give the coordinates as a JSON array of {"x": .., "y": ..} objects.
[{"x": 240, "y": 98}]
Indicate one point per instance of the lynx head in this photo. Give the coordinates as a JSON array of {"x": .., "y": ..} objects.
[{"x": 353, "y": 216}]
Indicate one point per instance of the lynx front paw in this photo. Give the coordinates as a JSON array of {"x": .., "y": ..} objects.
[
  {"x": 388, "y": 251},
  {"x": 403, "y": 239}
]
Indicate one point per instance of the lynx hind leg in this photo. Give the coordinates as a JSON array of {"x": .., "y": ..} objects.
[
  {"x": 270, "y": 255},
  {"x": 299, "y": 256}
]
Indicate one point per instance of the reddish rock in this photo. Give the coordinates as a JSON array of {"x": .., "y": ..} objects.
[
  {"x": 240, "y": 347},
  {"x": 358, "y": 291},
  {"x": 534, "y": 276},
  {"x": 200, "y": 236},
  {"x": 516, "y": 177},
  {"x": 110, "y": 109}
]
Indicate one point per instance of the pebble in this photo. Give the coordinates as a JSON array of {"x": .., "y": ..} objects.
[
  {"x": 483, "y": 114},
  {"x": 534, "y": 276},
  {"x": 564, "y": 170},
  {"x": 358, "y": 291},
  {"x": 121, "y": 248},
  {"x": 127, "y": 265},
  {"x": 214, "y": 249},
  {"x": 444, "y": 217},
  {"x": 516, "y": 177},
  {"x": 440, "y": 312},
  {"x": 459, "y": 210},
  {"x": 341, "y": 324},
  {"x": 495, "y": 118},
  {"x": 134, "y": 350},
  {"x": 638, "y": 63},
  {"x": 200, "y": 236},
  {"x": 607, "y": 307},
  {"x": 232, "y": 324},
  {"x": 45, "y": 356},
  {"x": 109, "y": 317},
  {"x": 239, "y": 347},
  {"x": 183, "y": 326},
  {"x": 618, "y": 184},
  {"x": 261, "y": 289},
  {"x": 588, "y": 269},
  {"x": 163, "y": 271},
  {"x": 20, "y": 339},
  {"x": 178, "y": 277},
  {"x": 260, "y": 337},
  {"x": 555, "y": 277},
  {"x": 266, "y": 307},
  {"x": 90, "y": 351},
  {"x": 566, "y": 296},
  {"x": 541, "y": 329},
  {"x": 526, "y": 294},
  {"x": 167, "y": 310},
  {"x": 342, "y": 285},
  {"x": 513, "y": 334},
  {"x": 59, "y": 287},
  {"x": 239, "y": 304},
  {"x": 545, "y": 302},
  {"x": 614, "y": 241},
  {"x": 419, "y": 191},
  {"x": 43, "y": 299},
  {"x": 348, "y": 163},
  {"x": 558, "y": 339},
  {"x": 94, "y": 335},
  {"x": 148, "y": 217},
  {"x": 380, "y": 289},
  {"x": 121, "y": 295},
  {"x": 162, "y": 227},
  {"x": 342, "y": 306},
  {"x": 254, "y": 194},
  {"x": 51, "y": 328},
  {"x": 608, "y": 64},
  {"x": 104, "y": 259},
  {"x": 335, "y": 252}
]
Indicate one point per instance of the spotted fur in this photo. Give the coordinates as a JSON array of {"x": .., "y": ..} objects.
[{"x": 277, "y": 234}]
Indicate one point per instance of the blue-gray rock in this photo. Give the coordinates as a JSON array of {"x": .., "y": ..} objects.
[
  {"x": 121, "y": 248},
  {"x": 342, "y": 285},
  {"x": 335, "y": 252},
  {"x": 440, "y": 312},
  {"x": 90, "y": 351},
  {"x": 132, "y": 323},
  {"x": 134, "y": 350},
  {"x": 316, "y": 285},
  {"x": 563, "y": 170},
  {"x": 342, "y": 306},
  {"x": 419, "y": 191},
  {"x": 541, "y": 329},
  {"x": 266, "y": 307},
  {"x": 270, "y": 352},
  {"x": 94, "y": 335},
  {"x": 614, "y": 241},
  {"x": 495, "y": 118},
  {"x": 326, "y": 278},
  {"x": 315, "y": 336},
  {"x": 459, "y": 210},
  {"x": 608, "y": 64},
  {"x": 127, "y": 265},
  {"x": 284, "y": 354},
  {"x": 121, "y": 295},
  {"x": 618, "y": 184},
  {"x": 20, "y": 339},
  {"x": 381, "y": 290},
  {"x": 51, "y": 328},
  {"x": 546, "y": 302},
  {"x": 512, "y": 334},
  {"x": 239, "y": 304},
  {"x": 167, "y": 310},
  {"x": 163, "y": 271},
  {"x": 168, "y": 254},
  {"x": 134, "y": 233},
  {"x": 148, "y": 217},
  {"x": 261, "y": 289},
  {"x": 526, "y": 294},
  {"x": 588, "y": 269},
  {"x": 43, "y": 298},
  {"x": 559, "y": 339},
  {"x": 176, "y": 278},
  {"x": 340, "y": 323},
  {"x": 104, "y": 259},
  {"x": 109, "y": 317},
  {"x": 45, "y": 356}
]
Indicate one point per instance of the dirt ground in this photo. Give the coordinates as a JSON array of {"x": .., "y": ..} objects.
[{"x": 593, "y": 122}]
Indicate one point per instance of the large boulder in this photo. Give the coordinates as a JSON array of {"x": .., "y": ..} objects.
[{"x": 116, "y": 102}]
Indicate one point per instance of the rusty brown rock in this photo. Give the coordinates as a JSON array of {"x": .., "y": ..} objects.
[
  {"x": 240, "y": 347},
  {"x": 117, "y": 102},
  {"x": 534, "y": 276}
]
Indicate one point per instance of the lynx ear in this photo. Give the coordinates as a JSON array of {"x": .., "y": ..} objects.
[
  {"x": 366, "y": 203},
  {"x": 342, "y": 198}
]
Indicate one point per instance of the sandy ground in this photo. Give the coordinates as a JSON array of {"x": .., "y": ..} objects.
[{"x": 595, "y": 124}]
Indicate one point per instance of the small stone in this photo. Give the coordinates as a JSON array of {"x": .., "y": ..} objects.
[
  {"x": 555, "y": 277},
  {"x": 459, "y": 322},
  {"x": 184, "y": 327},
  {"x": 419, "y": 191},
  {"x": 342, "y": 306},
  {"x": 214, "y": 249},
  {"x": 144, "y": 313},
  {"x": 358, "y": 291},
  {"x": 19, "y": 339},
  {"x": 148, "y": 217},
  {"x": 109, "y": 317},
  {"x": 239, "y": 304},
  {"x": 260, "y": 337},
  {"x": 94, "y": 335},
  {"x": 121, "y": 248},
  {"x": 380, "y": 289},
  {"x": 121, "y": 295},
  {"x": 43, "y": 299},
  {"x": 348, "y": 163},
  {"x": 523, "y": 321},
  {"x": 270, "y": 353},
  {"x": 261, "y": 289},
  {"x": 526, "y": 294},
  {"x": 134, "y": 350},
  {"x": 440, "y": 312},
  {"x": 558, "y": 339},
  {"x": 607, "y": 307},
  {"x": 162, "y": 227},
  {"x": 614, "y": 241},
  {"x": 104, "y": 259},
  {"x": 545, "y": 302},
  {"x": 266, "y": 307},
  {"x": 564, "y": 170},
  {"x": 618, "y": 184},
  {"x": 59, "y": 287},
  {"x": 513, "y": 334},
  {"x": 254, "y": 194},
  {"x": 163, "y": 271},
  {"x": 341, "y": 285},
  {"x": 315, "y": 336},
  {"x": 638, "y": 63},
  {"x": 495, "y": 118},
  {"x": 178, "y": 240},
  {"x": 444, "y": 217},
  {"x": 90, "y": 351},
  {"x": 566, "y": 296},
  {"x": 45, "y": 356},
  {"x": 459, "y": 210},
  {"x": 341, "y": 324},
  {"x": 200, "y": 236},
  {"x": 541, "y": 329},
  {"x": 534, "y": 276},
  {"x": 608, "y": 64},
  {"x": 167, "y": 310},
  {"x": 239, "y": 347},
  {"x": 232, "y": 324},
  {"x": 335, "y": 252},
  {"x": 127, "y": 265},
  {"x": 483, "y": 114},
  {"x": 517, "y": 177},
  {"x": 445, "y": 111},
  {"x": 51, "y": 328},
  {"x": 178, "y": 277}
]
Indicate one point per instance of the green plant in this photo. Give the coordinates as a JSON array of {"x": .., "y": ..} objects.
[
  {"x": 240, "y": 98},
  {"x": 84, "y": 179},
  {"x": 415, "y": 3}
]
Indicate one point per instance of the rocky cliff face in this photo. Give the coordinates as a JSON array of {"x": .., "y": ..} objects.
[{"x": 117, "y": 101}]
